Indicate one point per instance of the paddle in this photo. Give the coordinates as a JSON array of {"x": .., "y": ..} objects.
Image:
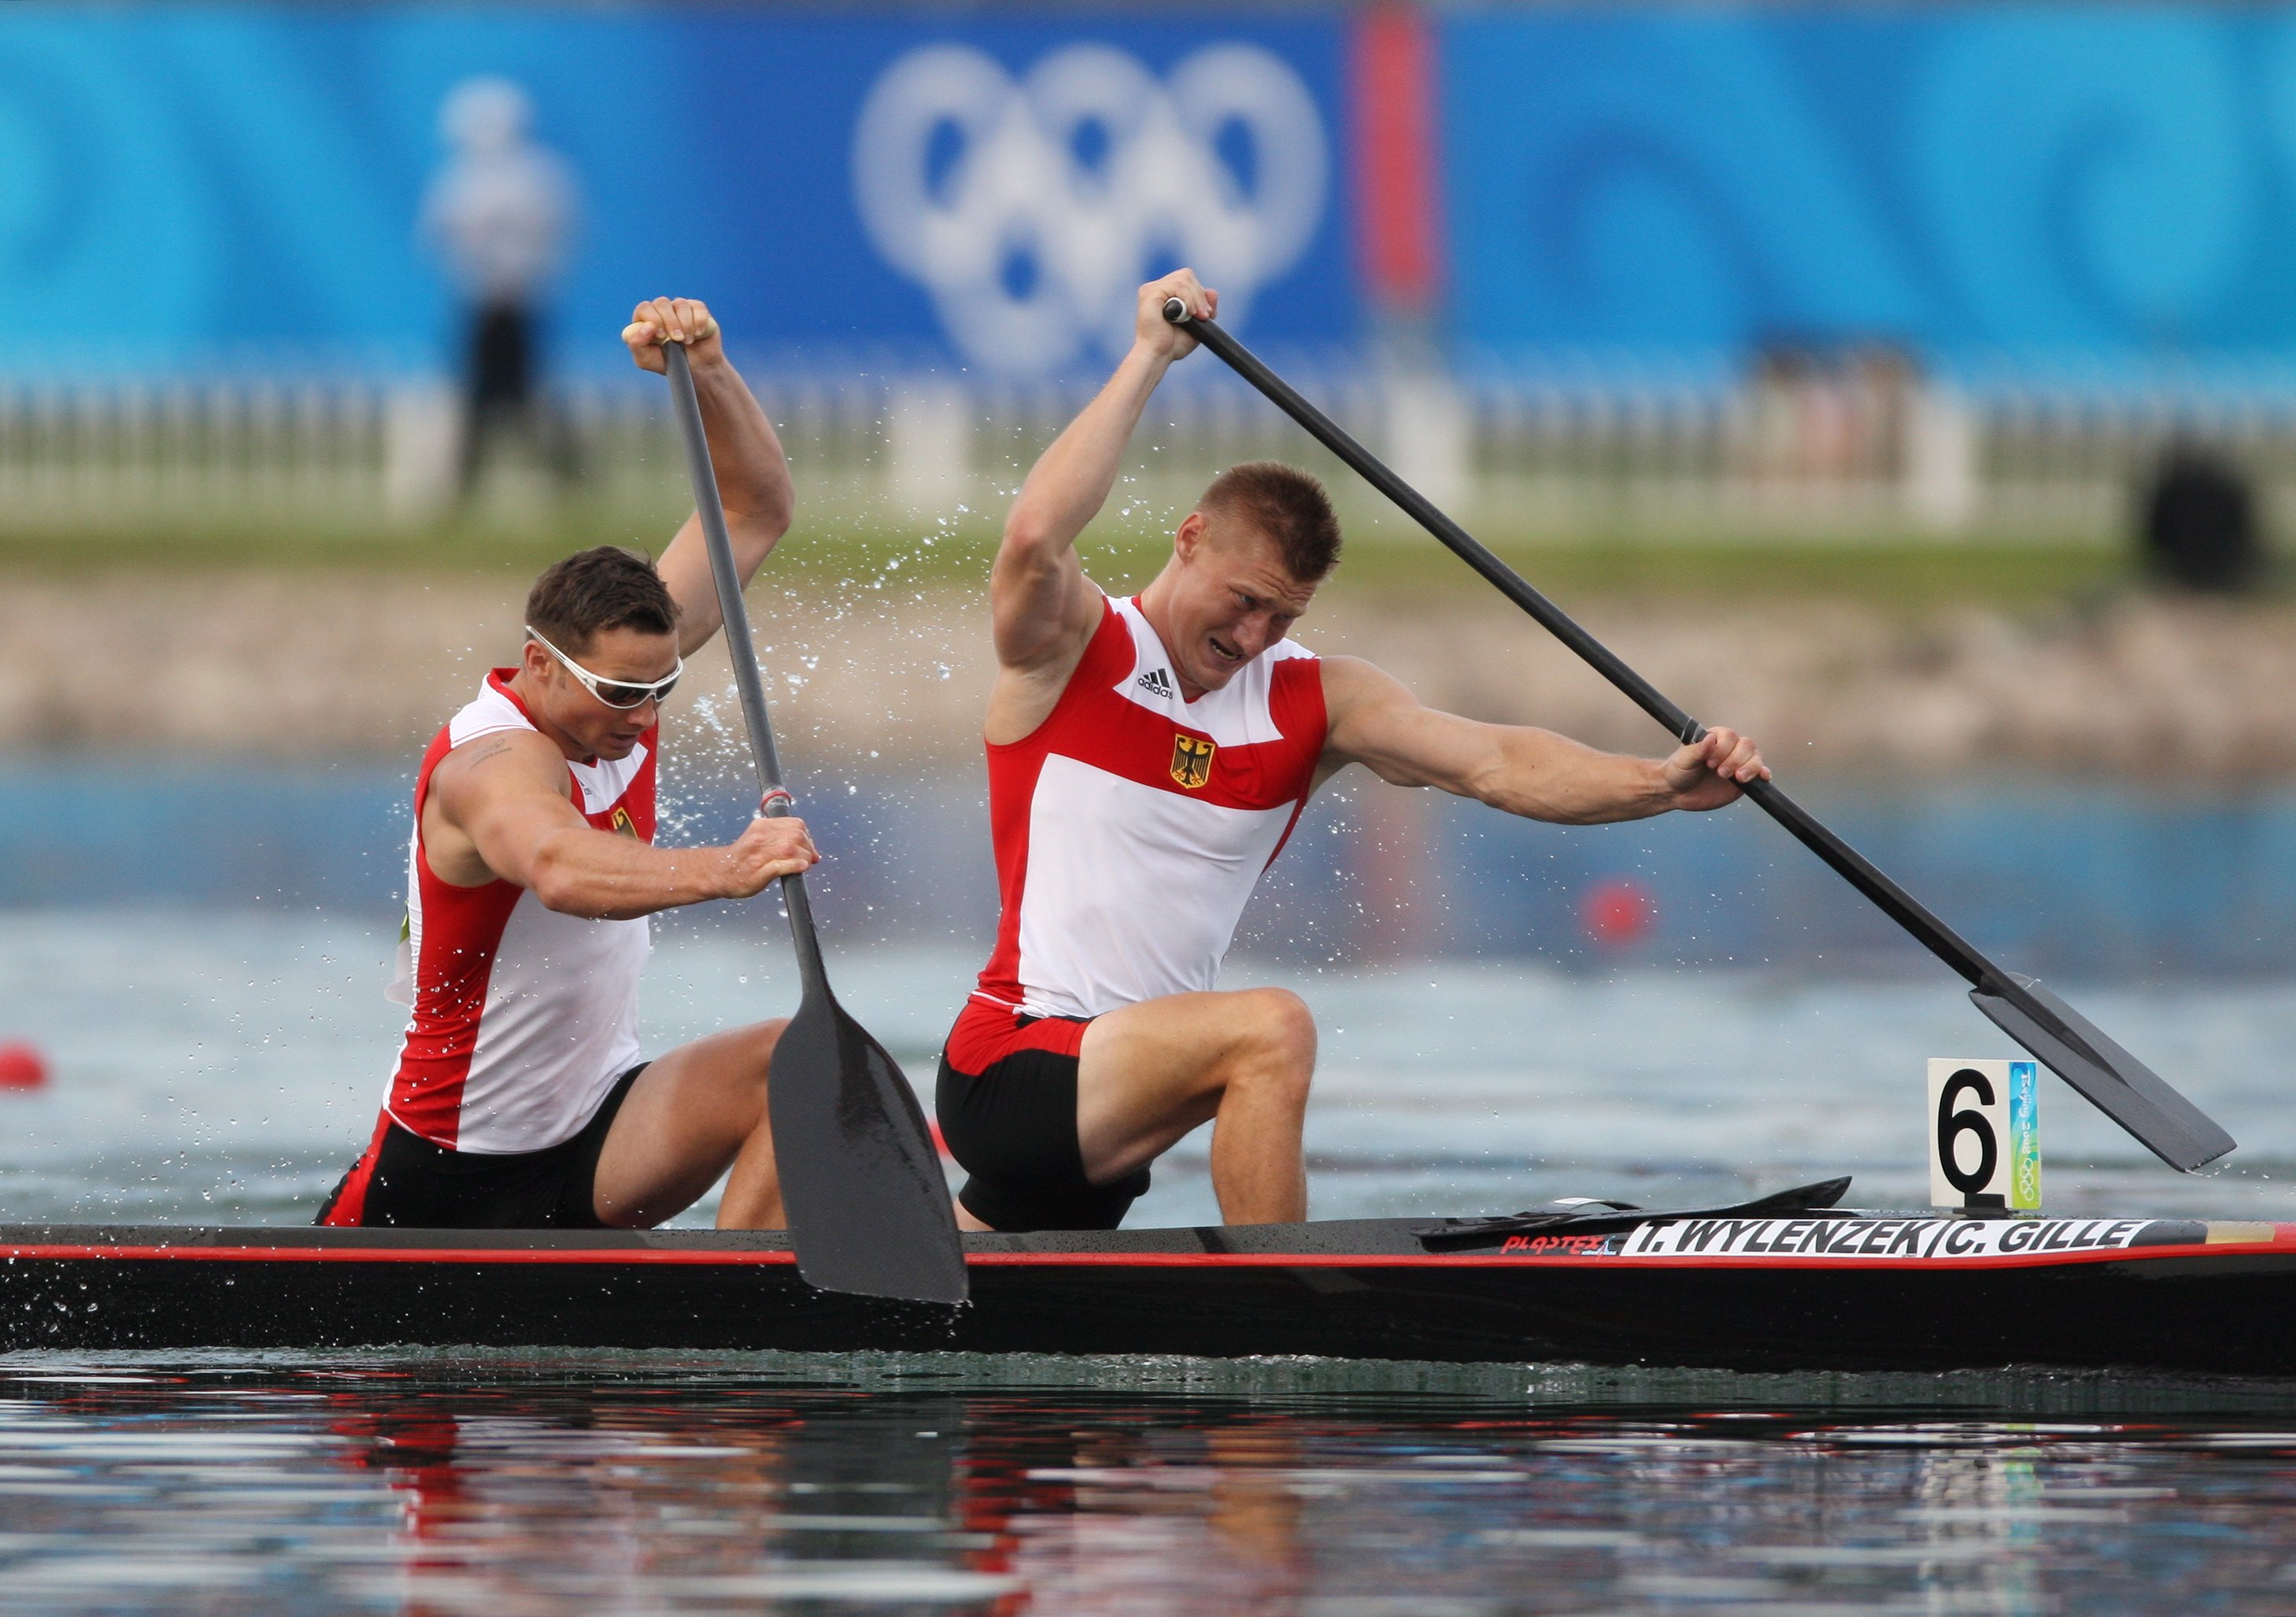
[
  {"x": 868, "y": 1209},
  {"x": 1599, "y": 1218},
  {"x": 2124, "y": 1089}
]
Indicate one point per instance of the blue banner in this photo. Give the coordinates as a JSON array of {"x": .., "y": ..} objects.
[
  {"x": 179, "y": 186},
  {"x": 2116, "y": 184}
]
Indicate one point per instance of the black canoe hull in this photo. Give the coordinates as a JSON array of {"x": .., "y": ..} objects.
[{"x": 2188, "y": 1302}]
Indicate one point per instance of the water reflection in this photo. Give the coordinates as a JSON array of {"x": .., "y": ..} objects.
[{"x": 429, "y": 1485}]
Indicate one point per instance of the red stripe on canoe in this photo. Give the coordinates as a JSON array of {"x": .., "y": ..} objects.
[{"x": 737, "y": 1260}]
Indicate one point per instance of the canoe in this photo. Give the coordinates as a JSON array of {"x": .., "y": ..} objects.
[{"x": 1840, "y": 1289}]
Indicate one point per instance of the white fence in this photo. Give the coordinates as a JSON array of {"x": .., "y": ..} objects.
[{"x": 1523, "y": 457}]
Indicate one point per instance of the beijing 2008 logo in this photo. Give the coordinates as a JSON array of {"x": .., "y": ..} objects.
[{"x": 1032, "y": 209}]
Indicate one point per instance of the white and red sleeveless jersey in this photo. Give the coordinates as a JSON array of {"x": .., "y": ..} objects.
[
  {"x": 1132, "y": 826},
  {"x": 524, "y": 1018}
]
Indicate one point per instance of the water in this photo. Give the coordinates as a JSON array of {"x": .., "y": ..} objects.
[
  {"x": 2076, "y": 880},
  {"x": 228, "y": 1067},
  {"x": 644, "y": 1484},
  {"x": 219, "y": 1060}
]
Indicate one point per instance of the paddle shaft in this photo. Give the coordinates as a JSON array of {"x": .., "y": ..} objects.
[
  {"x": 869, "y": 1210},
  {"x": 1893, "y": 900},
  {"x": 742, "y": 652}
]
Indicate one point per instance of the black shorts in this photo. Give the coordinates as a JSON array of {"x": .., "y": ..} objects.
[
  {"x": 1013, "y": 1125},
  {"x": 404, "y": 1181}
]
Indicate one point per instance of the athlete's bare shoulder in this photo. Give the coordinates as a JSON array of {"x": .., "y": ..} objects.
[
  {"x": 482, "y": 793},
  {"x": 502, "y": 763},
  {"x": 1043, "y": 610},
  {"x": 1025, "y": 694},
  {"x": 1364, "y": 705},
  {"x": 1350, "y": 684}
]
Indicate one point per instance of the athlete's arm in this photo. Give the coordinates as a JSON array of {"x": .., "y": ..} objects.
[
  {"x": 1043, "y": 607},
  {"x": 1375, "y": 722},
  {"x": 753, "y": 478},
  {"x": 499, "y": 806}
]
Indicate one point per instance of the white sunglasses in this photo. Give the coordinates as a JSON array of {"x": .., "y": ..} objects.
[{"x": 618, "y": 694}]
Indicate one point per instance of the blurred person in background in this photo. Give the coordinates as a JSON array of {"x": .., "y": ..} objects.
[
  {"x": 1147, "y": 760},
  {"x": 502, "y": 213},
  {"x": 520, "y": 1100}
]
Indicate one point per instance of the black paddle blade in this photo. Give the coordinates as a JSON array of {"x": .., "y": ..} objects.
[
  {"x": 2121, "y": 1086},
  {"x": 868, "y": 1208},
  {"x": 1454, "y": 1235}
]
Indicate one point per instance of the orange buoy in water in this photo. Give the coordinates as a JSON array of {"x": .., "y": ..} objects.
[
  {"x": 22, "y": 1067},
  {"x": 1618, "y": 912}
]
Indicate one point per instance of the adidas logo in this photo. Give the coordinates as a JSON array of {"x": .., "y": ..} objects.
[{"x": 1156, "y": 682}]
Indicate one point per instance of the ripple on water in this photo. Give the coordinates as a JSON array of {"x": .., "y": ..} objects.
[{"x": 500, "y": 1484}]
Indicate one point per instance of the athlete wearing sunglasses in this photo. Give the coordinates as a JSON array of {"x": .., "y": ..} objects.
[
  {"x": 615, "y": 693},
  {"x": 520, "y": 1098}
]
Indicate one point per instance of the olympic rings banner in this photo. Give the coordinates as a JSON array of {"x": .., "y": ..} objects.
[
  {"x": 196, "y": 184},
  {"x": 203, "y": 184}
]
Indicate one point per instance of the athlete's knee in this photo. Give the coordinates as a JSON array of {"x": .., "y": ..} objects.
[
  {"x": 1283, "y": 1035},
  {"x": 756, "y": 1042},
  {"x": 1285, "y": 1021}
]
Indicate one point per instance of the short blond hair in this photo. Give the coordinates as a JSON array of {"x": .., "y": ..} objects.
[{"x": 1286, "y": 505}]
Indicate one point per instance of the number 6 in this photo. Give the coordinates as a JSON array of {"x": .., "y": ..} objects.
[{"x": 1951, "y": 1124}]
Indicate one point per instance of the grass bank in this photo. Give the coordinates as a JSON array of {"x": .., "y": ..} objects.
[
  {"x": 1886, "y": 661},
  {"x": 1381, "y": 561}
]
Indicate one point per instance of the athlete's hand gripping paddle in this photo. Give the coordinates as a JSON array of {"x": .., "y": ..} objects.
[
  {"x": 868, "y": 1208},
  {"x": 2124, "y": 1089}
]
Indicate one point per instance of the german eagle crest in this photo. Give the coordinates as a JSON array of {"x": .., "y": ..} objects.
[{"x": 1191, "y": 760}]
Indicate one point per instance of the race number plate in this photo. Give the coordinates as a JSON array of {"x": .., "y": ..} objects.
[{"x": 1985, "y": 1146}]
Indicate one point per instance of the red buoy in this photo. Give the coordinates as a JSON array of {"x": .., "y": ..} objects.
[
  {"x": 1618, "y": 911},
  {"x": 22, "y": 1067}
]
